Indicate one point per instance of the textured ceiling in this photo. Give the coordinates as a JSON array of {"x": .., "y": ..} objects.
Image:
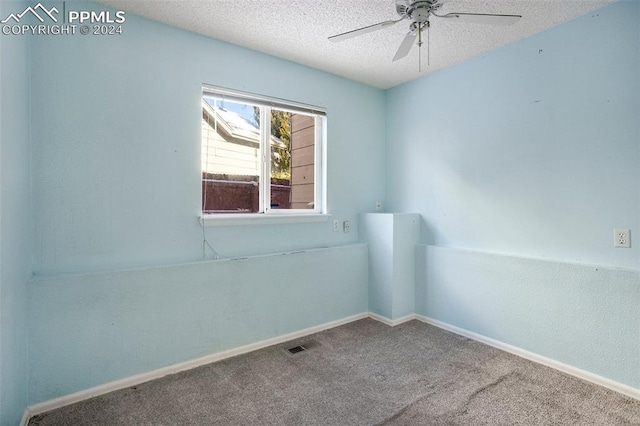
[{"x": 297, "y": 30}]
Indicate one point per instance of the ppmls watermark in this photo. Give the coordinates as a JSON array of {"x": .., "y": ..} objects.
[{"x": 68, "y": 22}]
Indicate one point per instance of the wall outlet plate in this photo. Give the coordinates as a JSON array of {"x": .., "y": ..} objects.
[
  {"x": 622, "y": 238},
  {"x": 336, "y": 225},
  {"x": 346, "y": 226}
]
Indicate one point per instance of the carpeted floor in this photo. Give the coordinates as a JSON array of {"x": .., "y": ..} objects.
[{"x": 362, "y": 373}]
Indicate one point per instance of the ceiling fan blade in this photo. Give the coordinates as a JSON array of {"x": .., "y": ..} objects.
[
  {"x": 406, "y": 45},
  {"x": 482, "y": 18},
  {"x": 363, "y": 30}
]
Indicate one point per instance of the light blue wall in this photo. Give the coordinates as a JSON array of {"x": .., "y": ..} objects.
[
  {"x": 15, "y": 223},
  {"x": 406, "y": 232},
  {"x": 116, "y": 168},
  {"x": 376, "y": 229},
  {"x": 391, "y": 238},
  {"x": 580, "y": 315},
  {"x": 116, "y": 162},
  {"x": 532, "y": 149},
  {"x": 89, "y": 329}
]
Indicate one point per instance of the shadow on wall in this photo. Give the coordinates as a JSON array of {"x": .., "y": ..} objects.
[{"x": 426, "y": 233}]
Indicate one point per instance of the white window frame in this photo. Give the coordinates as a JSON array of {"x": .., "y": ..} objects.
[{"x": 266, "y": 214}]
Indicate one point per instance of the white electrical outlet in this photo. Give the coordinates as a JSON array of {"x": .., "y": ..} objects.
[
  {"x": 378, "y": 206},
  {"x": 622, "y": 238},
  {"x": 346, "y": 226},
  {"x": 336, "y": 225}
]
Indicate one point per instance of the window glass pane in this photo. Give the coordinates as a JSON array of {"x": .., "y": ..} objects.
[
  {"x": 235, "y": 145},
  {"x": 230, "y": 157},
  {"x": 292, "y": 160}
]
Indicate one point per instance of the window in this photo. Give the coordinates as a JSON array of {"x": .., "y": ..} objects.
[{"x": 260, "y": 156}]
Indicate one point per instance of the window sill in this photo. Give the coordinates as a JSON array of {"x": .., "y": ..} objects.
[{"x": 261, "y": 219}]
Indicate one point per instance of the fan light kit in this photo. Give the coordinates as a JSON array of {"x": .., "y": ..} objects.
[{"x": 419, "y": 12}]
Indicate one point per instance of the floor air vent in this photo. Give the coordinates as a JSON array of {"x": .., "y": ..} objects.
[
  {"x": 303, "y": 347},
  {"x": 296, "y": 349}
]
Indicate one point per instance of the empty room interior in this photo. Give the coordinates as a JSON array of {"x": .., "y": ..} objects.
[{"x": 444, "y": 236}]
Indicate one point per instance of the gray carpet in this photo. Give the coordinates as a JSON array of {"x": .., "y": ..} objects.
[{"x": 362, "y": 373}]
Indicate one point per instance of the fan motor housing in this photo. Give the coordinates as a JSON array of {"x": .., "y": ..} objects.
[{"x": 416, "y": 10}]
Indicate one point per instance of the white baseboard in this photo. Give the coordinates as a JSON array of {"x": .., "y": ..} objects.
[
  {"x": 25, "y": 417},
  {"x": 531, "y": 356},
  {"x": 391, "y": 322},
  {"x": 176, "y": 368},
  {"x": 187, "y": 365}
]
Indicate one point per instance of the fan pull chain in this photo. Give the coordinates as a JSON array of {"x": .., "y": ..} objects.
[{"x": 419, "y": 48}]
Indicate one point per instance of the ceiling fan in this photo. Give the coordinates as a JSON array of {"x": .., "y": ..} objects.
[{"x": 419, "y": 12}]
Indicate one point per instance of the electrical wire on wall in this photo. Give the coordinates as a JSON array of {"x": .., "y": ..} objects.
[{"x": 206, "y": 244}]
